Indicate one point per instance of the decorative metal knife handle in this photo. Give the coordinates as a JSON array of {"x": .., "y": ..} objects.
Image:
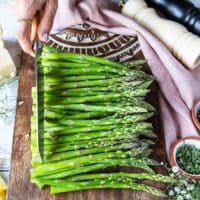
[{"x": 183, "y": 12}]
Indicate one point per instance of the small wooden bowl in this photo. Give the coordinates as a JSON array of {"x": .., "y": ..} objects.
[
  {"x": 186, "y": 140},
  {"x": 195, "y": 109}
]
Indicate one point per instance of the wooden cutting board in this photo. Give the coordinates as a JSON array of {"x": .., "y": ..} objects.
[{"x": 20, "y": 187}]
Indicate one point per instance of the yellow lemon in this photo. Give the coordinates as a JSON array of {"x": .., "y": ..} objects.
[{"x": 3, "y": 189}]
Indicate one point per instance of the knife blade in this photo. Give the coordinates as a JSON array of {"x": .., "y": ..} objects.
[{"x": 37, "y": 46}]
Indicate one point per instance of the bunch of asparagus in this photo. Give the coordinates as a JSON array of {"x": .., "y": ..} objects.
[{"x": 92, "y": 116}]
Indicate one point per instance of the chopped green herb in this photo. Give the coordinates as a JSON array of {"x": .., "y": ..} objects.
[{"x": 188, "y": 158}]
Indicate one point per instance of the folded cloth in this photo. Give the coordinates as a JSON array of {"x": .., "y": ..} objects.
[{"x": 179, "y": 86}]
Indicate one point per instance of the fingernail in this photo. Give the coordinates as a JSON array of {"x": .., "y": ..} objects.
[
  {"x": 45, "y": 37},
  {"x": 33, "y": 55}
]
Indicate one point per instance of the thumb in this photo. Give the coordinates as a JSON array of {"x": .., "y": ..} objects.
[{"x": 47, "y": 19}]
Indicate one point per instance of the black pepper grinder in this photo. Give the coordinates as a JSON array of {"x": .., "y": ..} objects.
[{"x": 183, "y": 12}]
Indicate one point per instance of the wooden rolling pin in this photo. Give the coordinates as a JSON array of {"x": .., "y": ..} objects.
[
  {"x": 183, "y": 12},
  {"x": 183, "y": 44}
]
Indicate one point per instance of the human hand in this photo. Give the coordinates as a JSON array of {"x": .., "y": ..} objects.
[{"x": 25, "y": 11}]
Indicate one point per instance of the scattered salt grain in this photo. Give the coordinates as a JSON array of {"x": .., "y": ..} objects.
[{"x": 21, "y": 103}]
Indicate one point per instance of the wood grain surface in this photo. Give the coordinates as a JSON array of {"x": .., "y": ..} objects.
[{"x": 20, "y": 187}]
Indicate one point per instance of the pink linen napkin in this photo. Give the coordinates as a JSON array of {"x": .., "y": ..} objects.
[{"x": 179, "y": 86}]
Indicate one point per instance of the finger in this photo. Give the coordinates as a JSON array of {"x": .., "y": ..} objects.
[
  {"x": 23, "y": 36},
  {"x": 47, "y": 19}
]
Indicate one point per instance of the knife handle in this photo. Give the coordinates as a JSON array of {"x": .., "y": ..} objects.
[
  {"x": 183, "y": 12},
  {"x": 34, "y": 28}
]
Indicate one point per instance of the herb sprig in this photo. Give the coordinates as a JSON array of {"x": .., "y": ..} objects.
[{"x": 183, "y": 188}]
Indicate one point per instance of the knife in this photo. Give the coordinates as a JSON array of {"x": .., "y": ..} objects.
[{"x": 37, "y": 46}]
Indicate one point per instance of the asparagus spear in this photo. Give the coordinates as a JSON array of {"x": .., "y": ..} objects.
[
  {"x": 142, "y": 163},
  {"x": 103, "y": 76},
  {"x": 129, "y": 162},
  {"x": 154, "y": 177},
  {"x": 138, "y": 150},
  {"x": 73, "y": 56},
  {"x": 120, "y": 97},
  {"x": 52, "y": 129},
  {"x": 48, "y": 168},
  {"x": 74, "y": 186},
  {"x": 55, "y": 130},
  {"x": 54, "y": 149},
  {"x": 109, "y": 135},
  {"x": 112, "y": 88},
  {"x": 139, "y": 62},
  {"x": 118, "y": 182},
  {"x": 81, "y": 84},
  {"x": 88, "y": 107},
  {"x": 55, "y": 114},
  {"x": 106, "y": 121},
  {"x": 61, "y": 147}
]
